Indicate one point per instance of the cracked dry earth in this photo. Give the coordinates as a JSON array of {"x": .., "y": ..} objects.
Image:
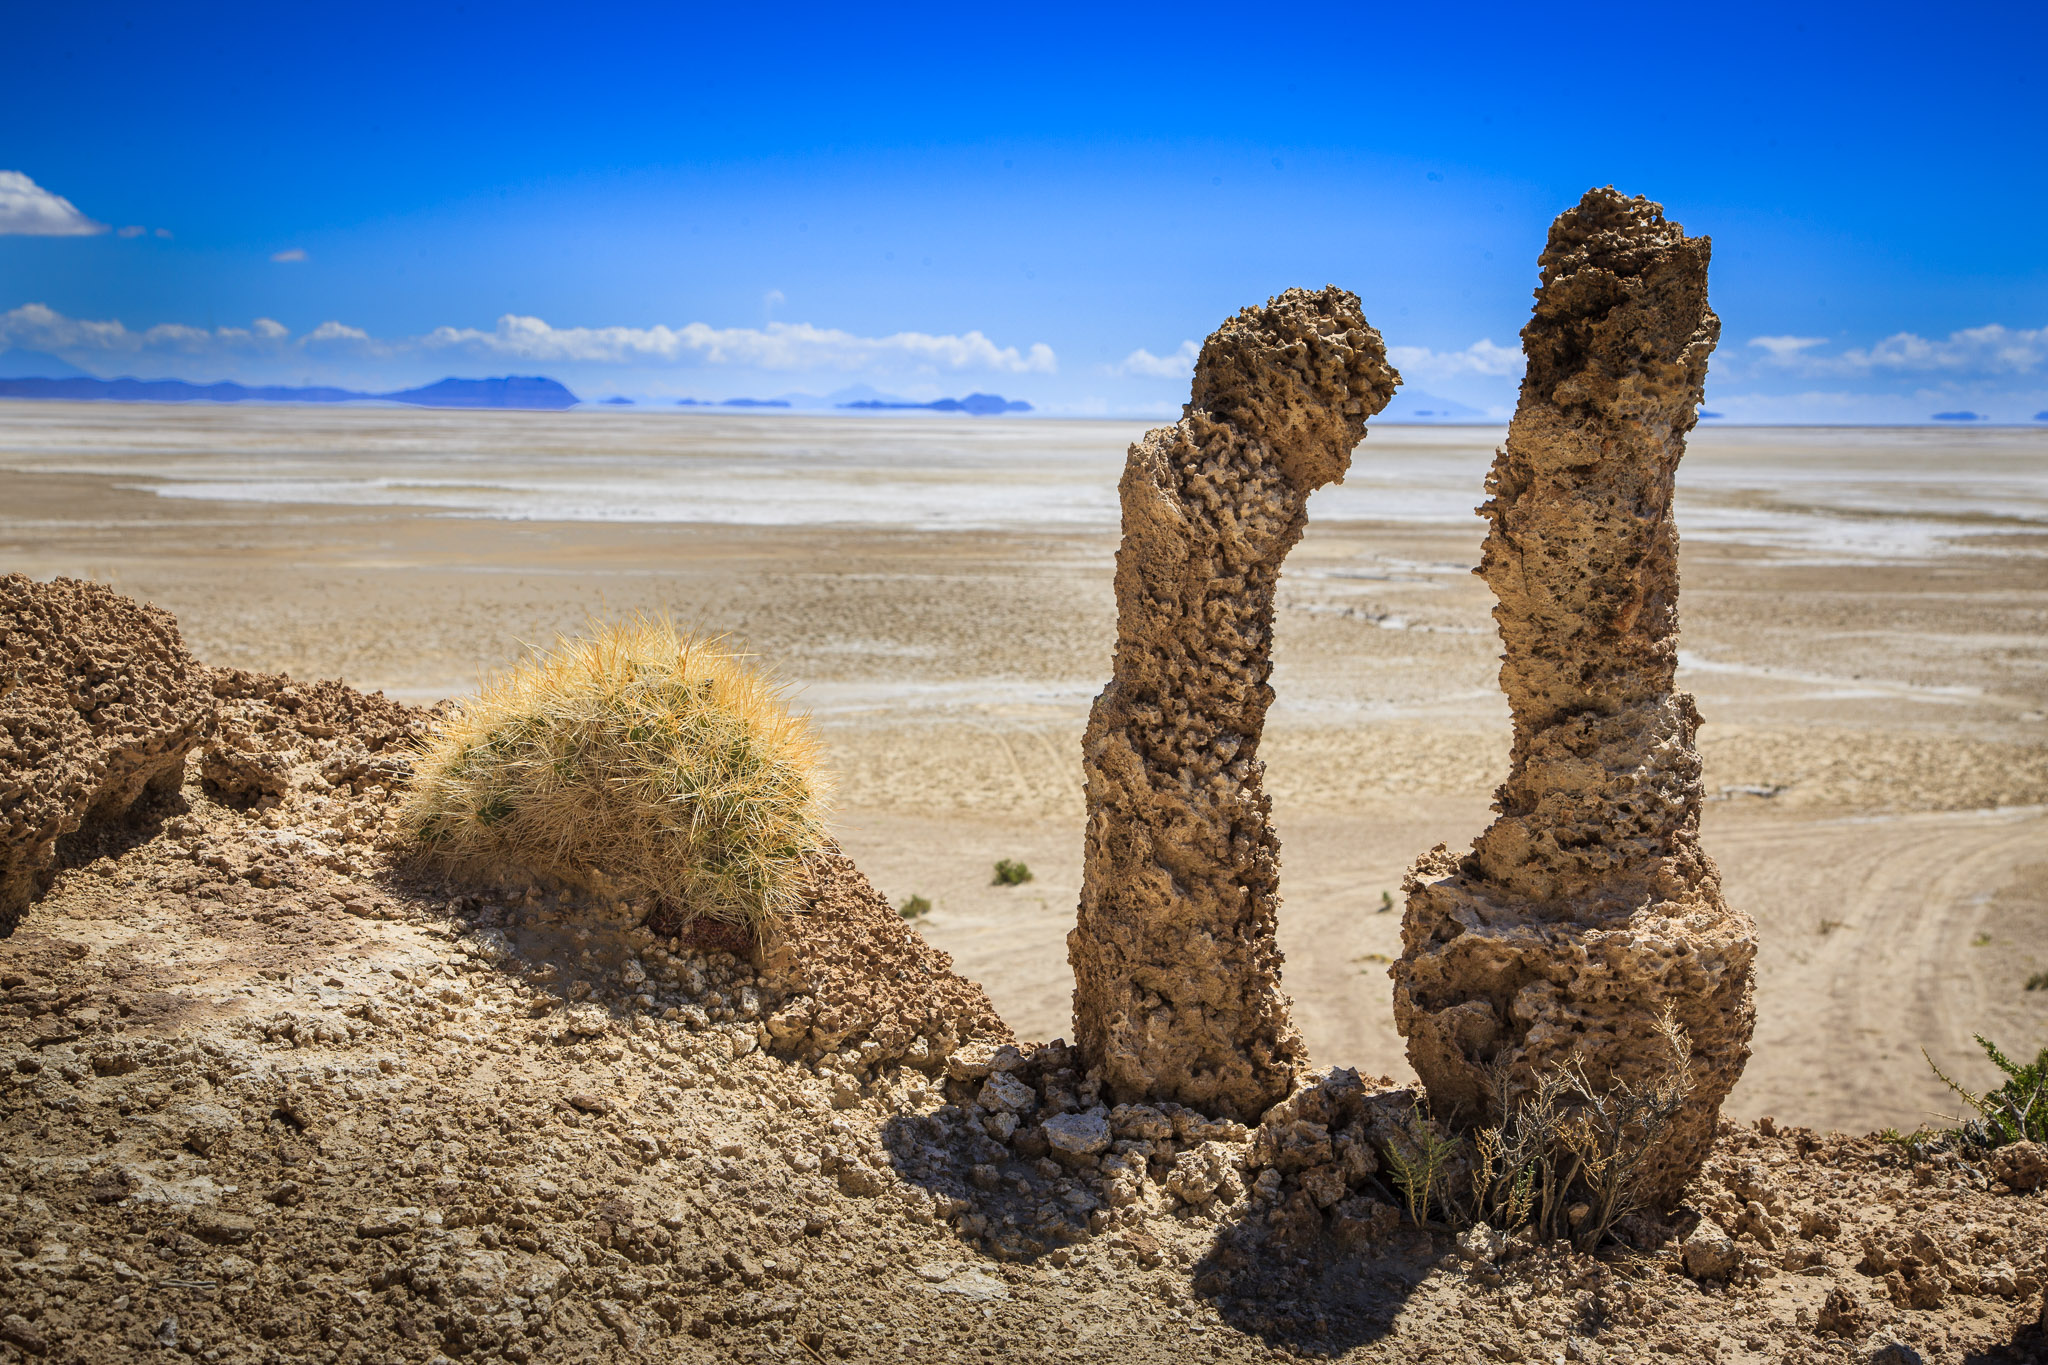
[{"x": 270, "y": 1094}]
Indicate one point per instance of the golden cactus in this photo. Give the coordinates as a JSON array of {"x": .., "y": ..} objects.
[{"x": 639, "y": 760}]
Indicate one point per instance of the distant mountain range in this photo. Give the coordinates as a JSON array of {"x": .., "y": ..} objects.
[
  {"x": 974, "y": 404},
  {"x": 509, "y": 391},
  {"x": 864, "y": 399},
  {"x": 1413, "y": 405}
]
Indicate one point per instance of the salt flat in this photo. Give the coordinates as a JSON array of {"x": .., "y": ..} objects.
[{"x": 1865, "y": 618}]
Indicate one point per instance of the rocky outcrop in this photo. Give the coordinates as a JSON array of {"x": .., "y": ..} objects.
[
  {"x": 1588, "y": 908},
  {"x": 857, "y": 981},
  {"x": 99, "y": 703},
  {"x": 1176, "y": 972}
]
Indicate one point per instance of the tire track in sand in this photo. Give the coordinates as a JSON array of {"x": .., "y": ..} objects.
[{"x": 1869, "y": 950}]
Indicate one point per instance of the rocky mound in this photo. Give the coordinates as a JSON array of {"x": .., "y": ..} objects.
[{"x": 99, "y": 704}]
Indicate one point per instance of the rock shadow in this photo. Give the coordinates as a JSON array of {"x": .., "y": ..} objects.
[
  {"x": 1285, "y": 1231},
  {"x": 1312, "y": 1283}
]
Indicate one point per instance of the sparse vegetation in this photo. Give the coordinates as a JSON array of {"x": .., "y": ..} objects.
[
  {"x": 1566, "y": 1157},
  {"x": 1828, "y": 926},
  {"x": 2015, "y": 1111},
  {"x": 638, "y": 760},
  {"x": 1981, "y": 941},
  {"x": 1010, "y": 873},
  {"x": 913, "y": 907},
  {"x": 1418, "y": 1163},
  {"x": 2038, "y": 982},
  {"x": 1386, "y": 901}
]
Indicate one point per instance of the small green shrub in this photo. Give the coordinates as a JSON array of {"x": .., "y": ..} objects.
[
  {"x": 1418, "y": 1160},
  {"x": 2016, "y": 1111},
  {"x": 2038, "y": 982},
  {"x": 913, "y": 907},
  {"x": 1386, "y": 901},
  {"x": 1009, "y": 873}
]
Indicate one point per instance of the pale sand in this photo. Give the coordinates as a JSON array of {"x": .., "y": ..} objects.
[{"x": 1866, "y": 626}]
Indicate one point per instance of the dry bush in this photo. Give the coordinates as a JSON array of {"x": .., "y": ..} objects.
[
  {"x": 638, "y": 761},
  {"x": 1567, "y": 1155}
]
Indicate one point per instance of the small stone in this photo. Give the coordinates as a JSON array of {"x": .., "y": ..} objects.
[
  {"x": 1082, "y": 1134},
  {"x": 1004, "y": 1091},
  {"x": 1840, "y": 1314},
  {"x": 1140, "y": 1122},
  {"x": 1893, "y": 1353},
  {"x": 1710, "y": 1253},
  {"x": 2021, "y": 1165},
  {"x": 221, "y": 1228},
  {"x": 17, "y": 1331},
  {"x": 210, "y": 1127},
  {"x": 1198, "y": 1172},
  {"x": 588, "y": 1103},
  {"x": 971, "y": 1061},
  {"x": 1481, "y": 1243},
  {"x": 970, "y": 1283},
  {"x": 388, "y": 1222}
]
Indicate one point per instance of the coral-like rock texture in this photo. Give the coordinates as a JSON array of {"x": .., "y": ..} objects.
[
  {"x": 858, "y": 981},
  {"x": 99, "y": 703},
  {"x": 1588, "y": 908},
  {"x": 1176, "y": 972}
]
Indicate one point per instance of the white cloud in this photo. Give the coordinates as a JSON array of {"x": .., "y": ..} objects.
[
  {"x": 132, "y": 230},
  {"x": 289, "y": 256},
  {"x": 1780, "y": 347},
  {"x": 1419, "y": 364},
  {"x": 29, "y": 210},
  {"x": 1985, "y": 351},
  {"x": 778, "y": 346},
  {"x": 1179, "y": 364},
  {"x": 336, "y": 331},
  {"x": 34, "y": 327}
]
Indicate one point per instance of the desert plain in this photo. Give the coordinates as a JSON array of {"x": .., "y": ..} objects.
[{"x": 1865, "y": 625}]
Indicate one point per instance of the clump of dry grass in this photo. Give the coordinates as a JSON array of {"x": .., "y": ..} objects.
[{"x": 638, "y": 760}]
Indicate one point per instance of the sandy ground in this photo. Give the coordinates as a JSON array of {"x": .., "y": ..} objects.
[{"x": 1877, "y": 700}]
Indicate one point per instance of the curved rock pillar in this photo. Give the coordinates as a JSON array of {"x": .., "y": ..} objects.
[
  {"x": 1588, "y": 909},
  {"x": 1176, "y": 972}
]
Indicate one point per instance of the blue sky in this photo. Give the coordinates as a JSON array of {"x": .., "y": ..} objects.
[{"x": 1049, "y": 203}]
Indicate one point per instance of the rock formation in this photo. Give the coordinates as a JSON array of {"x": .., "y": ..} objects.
[
  {"x": 1588, "y": 908},
  {"x": 1176, "y": 971},
  {"x": 99, "y": 702}
]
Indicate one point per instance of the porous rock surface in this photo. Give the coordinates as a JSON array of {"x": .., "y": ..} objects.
[
  {"x": 1588, "y": 907},
  {"x": 855, "y": 979},
  {"x": 1177, "y": 974},
  {"x": 99, "y": 703}
]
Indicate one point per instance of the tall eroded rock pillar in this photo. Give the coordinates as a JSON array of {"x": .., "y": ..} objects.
[
  {"x": 1588, "y": 907},
  {"x": 1176, "y": 972}
]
